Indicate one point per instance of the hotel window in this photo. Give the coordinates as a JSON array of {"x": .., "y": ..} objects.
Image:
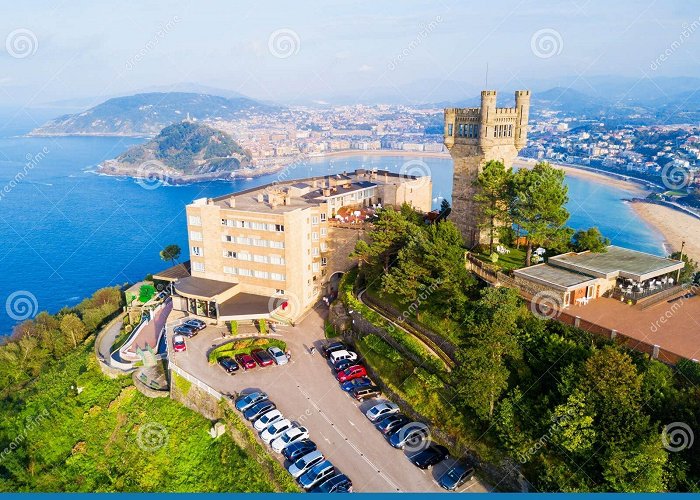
[
  {"x": 324, "y": 261},
  {"x": 230, "y": 255},
  {"x": 258, "y": 226},
  {"x": 315, "y": 252},
  {"x": 324, "y": 231},
  {"x": 276, "y": 259},
  {"x": 244, "y": 256},
  {"x": 314, "y": 220},
  {"x": 315, "y": 267},
  {"x": 279, "y": 228},
  {"x": 314, "y": 236},
  {"x": 198, "y": 266},
  {"x": 323, "y": 246},
  {"x": 195, "y": 220},
  {"x": 195, "y": 236},
  {"x": 277, "y": 244},
  {"x": 228, "y": 222},
  {"x": 242, "y": 240},
  {"x": 240, "y": 223},
  {"x": 259, "y": 243},
  {"x": 245, "y": 272},
  {"x": 227, "y": 238},
  {"x": 279, "y": 291},
  {"x": 323, "y": 217},
  {"x": 197, "y": 251},
  {"x": 277, "y": 276},
  {"x": 261, "y": 274},
  {"x": 260, "y": 258},
  {"x": 229, "y": 270}
]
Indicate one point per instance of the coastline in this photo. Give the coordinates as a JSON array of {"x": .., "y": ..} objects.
[{"x": 675, "y": 226}]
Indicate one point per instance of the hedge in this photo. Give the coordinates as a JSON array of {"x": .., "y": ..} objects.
[{"x": 244, "y": 346}]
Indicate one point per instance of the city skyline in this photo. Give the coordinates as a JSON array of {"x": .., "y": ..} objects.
[{"x": 359, "y": 51}]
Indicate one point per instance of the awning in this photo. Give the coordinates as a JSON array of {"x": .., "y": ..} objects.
[
  {"x": 174, "y": 273},
  {"x": 202, "y": 288}
]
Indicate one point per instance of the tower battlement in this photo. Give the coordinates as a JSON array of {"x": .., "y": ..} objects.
[{"x": 475, "y": 136}]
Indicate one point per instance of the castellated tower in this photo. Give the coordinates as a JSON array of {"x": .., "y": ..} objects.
[{"x": 475, "y": 136}]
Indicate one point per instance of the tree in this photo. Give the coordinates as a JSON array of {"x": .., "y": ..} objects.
[
  {"x": 481, "y": 375},
  {"x": 493, "y": 197},
  {"x": 170, "y": 253},
  {"x": 690, "y": 269},
  {"x": 590, "y": 239},
  {"x": 73, "y": 328},
  {"x": 387, "y": 236},
  {"x": 445, "y": 211},
  {"x": 538, "y": 206}
]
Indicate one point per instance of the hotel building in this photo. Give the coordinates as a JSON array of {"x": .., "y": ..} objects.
[{"x": 272, "y": 251}]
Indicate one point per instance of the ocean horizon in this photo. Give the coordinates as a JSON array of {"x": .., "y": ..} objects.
[{"x": 68, "y": 231}]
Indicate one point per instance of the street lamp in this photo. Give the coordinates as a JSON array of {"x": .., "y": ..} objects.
[{"x": 678, "y": 274}]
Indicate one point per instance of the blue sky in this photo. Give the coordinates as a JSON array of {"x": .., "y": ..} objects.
[{"x": 83, "y": 49}]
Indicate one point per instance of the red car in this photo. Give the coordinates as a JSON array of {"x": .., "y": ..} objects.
[
  {"x": 245, "y": 360},
  {"x": 353, "y": 372},
  {"x": 179, "y": 343},
  {"x": 262, "y": 357}
]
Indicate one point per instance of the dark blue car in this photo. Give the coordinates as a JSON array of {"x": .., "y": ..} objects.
[
  {"x": 297, "y": 450},
  {"x": 351, "y": 385}
]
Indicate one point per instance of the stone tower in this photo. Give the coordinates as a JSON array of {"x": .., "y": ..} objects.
[{"x": 475, "y": 136}]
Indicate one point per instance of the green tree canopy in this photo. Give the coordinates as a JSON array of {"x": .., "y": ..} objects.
[
  {"x": 493, "y": 197},
  {"x": 590, "y": 239},
  {"x": 170, "y": 253}
]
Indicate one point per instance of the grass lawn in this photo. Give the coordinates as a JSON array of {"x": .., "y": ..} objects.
[{"x": 507, "y": 262}]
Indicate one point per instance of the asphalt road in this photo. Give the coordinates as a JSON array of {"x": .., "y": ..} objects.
[{"x": 305, "y": 391}]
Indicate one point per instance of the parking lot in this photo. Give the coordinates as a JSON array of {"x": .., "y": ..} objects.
[{"x": 305, "y": 391}]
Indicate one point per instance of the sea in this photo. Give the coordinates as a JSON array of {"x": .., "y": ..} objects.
[{"x": 66, "y": 231}]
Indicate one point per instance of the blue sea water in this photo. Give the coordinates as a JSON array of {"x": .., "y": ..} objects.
[{"x": 66, "y": 231}]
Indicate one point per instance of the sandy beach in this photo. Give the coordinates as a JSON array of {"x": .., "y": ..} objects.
[{"x": 674, "y": 225}]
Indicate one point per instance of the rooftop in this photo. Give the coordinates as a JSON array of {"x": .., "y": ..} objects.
[
  {"x": 246, "y": 304},
  {"x": 556, "y": 276},
  {"x": 175, "y": 272},
  {"x": 617, "y": 261},
  {"x": 202, "y": 287}
]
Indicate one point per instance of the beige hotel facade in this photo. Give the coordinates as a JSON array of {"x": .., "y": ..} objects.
[{"x": 273, "y": 251}]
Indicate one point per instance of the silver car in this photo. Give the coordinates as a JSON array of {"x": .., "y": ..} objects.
[
  {"x": 266, "y": 419},
  {"x": 278, "y": 355},
  {"x": 305, "y": 463}
]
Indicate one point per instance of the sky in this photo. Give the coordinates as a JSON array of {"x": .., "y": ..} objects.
[{"x": 319, "y": 51}]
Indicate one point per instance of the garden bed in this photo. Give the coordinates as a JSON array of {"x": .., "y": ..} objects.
[{"x": 244, "y": 346}]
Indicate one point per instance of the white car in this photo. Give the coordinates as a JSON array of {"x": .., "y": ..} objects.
[
  {"x": 288, "y": 437},
  {"x": 275, "y": 429},
  {"x": 266, "y": 419},
  {"x": 342, "y": 355},
  {"x": 278, "y": 355},
  {"x": 381, "y": 410},
  {"x": 305, "y": 463}
]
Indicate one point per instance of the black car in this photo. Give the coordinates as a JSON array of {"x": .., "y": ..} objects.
[
  {"x": 297, "y": 450},
  {"x": 433, "y": 454},
  {"x": 456, "y": 476},
  {"x": 327, "y": 349},
  {"x": 228, "y": 364},
  {"x": 185, "y": 330},
  {"x": 337, "y": 484},
  {"x": 391, "y": 423},
  {"x": 258, "y": 409},
  {"x": 367, "y": 392},
  {"x": 197, "y": 324},
  {"x": 342, "y": 364}
]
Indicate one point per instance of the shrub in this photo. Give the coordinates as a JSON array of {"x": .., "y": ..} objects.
[
  {"x": 146, "y": 293},
  {"x": 381, "y": 347},
  {"x": 233, "y": 327},
  {"x": 262, "y": 326}
]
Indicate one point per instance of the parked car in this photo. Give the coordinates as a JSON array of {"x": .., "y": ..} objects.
[
  {"x": 262, "y": 357},
  {"x": 342, "y": 354},
  {"x": 342, "y": 365},
  {"x": 357, "y": 383},
  {"x": 336, "y": 484},
  {"x": 179, "y": 343},
  {"x": 246, "y": 361},
  {"x": 247, "y": 400},
  {"x": 388, "y": 425},
  {"x": 288, "y": 437},
  {"x": 355, "y": 371},
  {"x": 317, "y": 474},
  {"x": 185, "y": 330},
  {"x": 433, "y": 454},
  {"x": 258, "y": 409},
  {"x": 228, "y": 364},
  {"x": 297, "y": 450},
  {"x": 278, "y": 355},
  {"x": 275, "y": 430},
  {"x": 412, "y": 434},
  {"x": 195, "y": 323},
  {"x": 267, "y": 418},
  {"x": 377, "y": 412},
  {"x": 362, "y": 393},
  {"x": 327, "y": 349},
  {"x": 456, "y": 476},
  {"x": 305, "y": 463}
]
